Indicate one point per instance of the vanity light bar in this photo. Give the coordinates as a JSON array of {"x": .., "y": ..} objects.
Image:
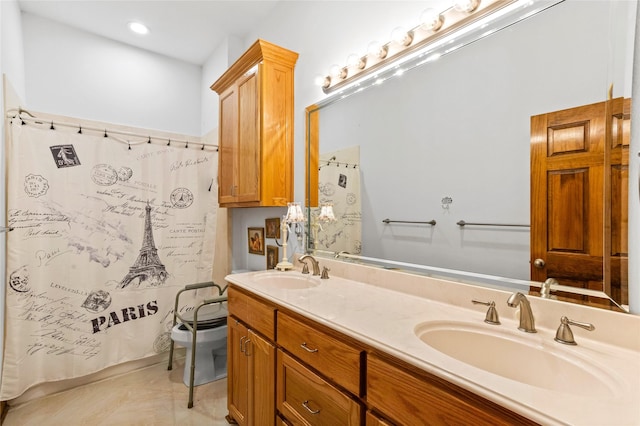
[{"x": 434, "y": 28}]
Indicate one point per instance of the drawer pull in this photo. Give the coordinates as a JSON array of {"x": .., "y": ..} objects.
[
  {"x": 307, "y": 348},
  {"x": 242, "y": 343},
  {"x": 305, "y": 404}
]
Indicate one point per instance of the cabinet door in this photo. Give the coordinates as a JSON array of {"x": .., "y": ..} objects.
[
  {"x": 262, "y": 365},
  {"x": 248, "y": 161},
  {"x": 227, "y": 145},
  {"x": 237, "y": 372}
]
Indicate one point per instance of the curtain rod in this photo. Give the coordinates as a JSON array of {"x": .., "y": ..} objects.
[
  {"x": 332, "y": 160},
  {"x": 19, "y": 111}
]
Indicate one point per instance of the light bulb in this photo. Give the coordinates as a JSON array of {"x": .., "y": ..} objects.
[
  {"x": 467, "y": 6},
  {"x": 377, "y": 50},
  {"x": 337, "y": 71},
  {"x": 401, "y": 36},
  {"x": 322, "y": 81},
  {"x": 355, "y": 61},
  {"x": 431, "y": 19}
]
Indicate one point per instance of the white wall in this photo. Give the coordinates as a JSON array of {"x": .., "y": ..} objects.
[
  {"x": 11, "y": 45},
  {"x": 222, "y": 57},
  {"x": 12, "y": 89},
  {"x": 74, "y": 73}
]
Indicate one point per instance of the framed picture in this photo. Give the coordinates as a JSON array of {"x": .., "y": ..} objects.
[
  {"x": 256, "y": 240},
  {"x": 272, "y": 257},
  {"x": 273, "y": 227}
]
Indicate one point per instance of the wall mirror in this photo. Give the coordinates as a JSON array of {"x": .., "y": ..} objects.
[{"x": 405, "y": 161}]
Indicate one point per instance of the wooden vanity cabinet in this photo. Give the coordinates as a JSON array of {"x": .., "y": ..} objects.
[
  {"x": 286, "y": 369},
  {"x": 251, "y": 360},
  {"x": 408, "y": 395},
  {"x": 255, "y": 160}
]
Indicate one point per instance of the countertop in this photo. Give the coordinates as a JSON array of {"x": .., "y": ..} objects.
[{"x": 386, "y": 319}]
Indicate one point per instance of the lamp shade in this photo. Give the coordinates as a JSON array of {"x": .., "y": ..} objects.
[
  {"x": 294, "y": 213},
  {"x": 326, "y": 213}
]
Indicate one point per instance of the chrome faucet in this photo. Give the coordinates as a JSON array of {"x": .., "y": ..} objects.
[
  {"x": 527, "y": 323},
  {"x": 314, "y": 264}
]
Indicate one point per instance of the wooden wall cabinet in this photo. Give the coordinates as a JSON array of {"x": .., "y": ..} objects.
[{"x": 255, "y": 160}]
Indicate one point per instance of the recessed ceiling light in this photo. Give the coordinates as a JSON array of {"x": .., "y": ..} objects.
[{"x": 138, "y": 28}]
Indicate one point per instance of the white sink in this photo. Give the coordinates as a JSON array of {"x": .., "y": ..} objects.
[
  {"x": 518, "y": 356},
  {"x": 293, "y": 280}
]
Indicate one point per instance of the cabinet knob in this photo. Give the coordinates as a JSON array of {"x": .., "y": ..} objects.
[{"x": 539, "y": 263}]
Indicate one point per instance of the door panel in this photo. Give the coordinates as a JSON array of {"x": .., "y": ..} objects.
[
  {"x": 228, "y": 145},
  {"x": 248, "y": 140},
  {"x": 616, "y": 281},
  {"x": 567, "y": 195},
  {"x": 237, "y": 372}
]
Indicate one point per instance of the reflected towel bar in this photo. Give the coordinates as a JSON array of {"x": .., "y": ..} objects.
[
  {"x": 431, "y": 222},
  {"x": 463, "y": 223}
]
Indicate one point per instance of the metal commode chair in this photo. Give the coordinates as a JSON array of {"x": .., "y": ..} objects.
[{"x": 192, "y": 326}]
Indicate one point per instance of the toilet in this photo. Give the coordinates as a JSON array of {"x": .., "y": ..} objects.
[{"x": 211, "y": 344}]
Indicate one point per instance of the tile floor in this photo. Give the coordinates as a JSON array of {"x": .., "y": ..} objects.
[{"x": 149, "y": 396}]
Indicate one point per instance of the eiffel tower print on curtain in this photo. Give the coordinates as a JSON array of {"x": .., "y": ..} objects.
[{"x": 147, "y": 267}]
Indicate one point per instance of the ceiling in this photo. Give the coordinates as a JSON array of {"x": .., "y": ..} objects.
[{"x": 186, "y": 30}]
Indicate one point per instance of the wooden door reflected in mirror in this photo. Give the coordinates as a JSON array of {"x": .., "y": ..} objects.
[{"x": 579, "y": 178}]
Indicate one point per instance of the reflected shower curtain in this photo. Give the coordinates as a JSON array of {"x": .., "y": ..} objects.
[
  {"x": 105, "y": 232},
  {"x": 339, "y": 184}
]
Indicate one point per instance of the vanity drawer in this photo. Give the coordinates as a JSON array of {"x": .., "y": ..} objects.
[
  {"x": 260, "y": 316},
  {"x": 373, "y": 420},
  {"x": 304, "y": 398},
  {"x": 337, "y": 360},
  {"x": 412, "y": 395}
]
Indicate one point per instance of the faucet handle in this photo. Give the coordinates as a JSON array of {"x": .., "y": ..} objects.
[
  {"x": 305, "y": 268},
  {"x": 492, "y": 313},
  {"x": 565, "y": 335},
  {"x": 325, "y": 273}
]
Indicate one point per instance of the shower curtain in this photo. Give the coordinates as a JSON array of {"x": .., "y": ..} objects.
[
  {"x": 339, "y": 184},
  {"x": 105, "y": 232}
]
